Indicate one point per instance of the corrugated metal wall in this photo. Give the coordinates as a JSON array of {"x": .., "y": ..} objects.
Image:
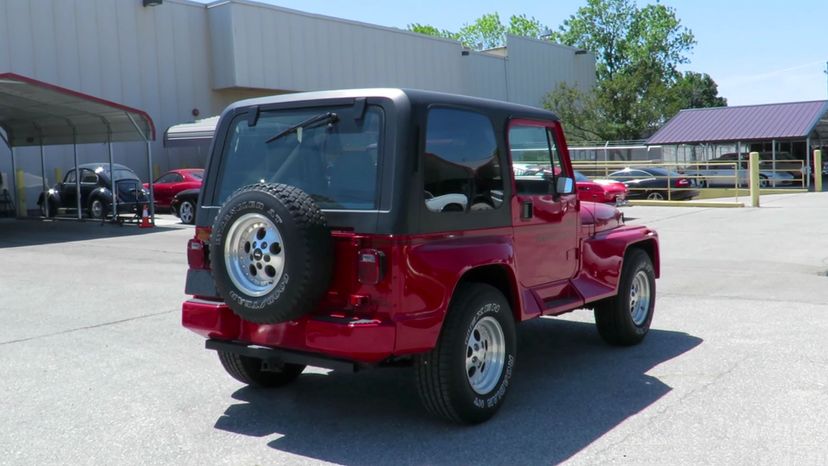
[
  {"x": 276, "y": 48},
  {"x": 182, "y": 55}
]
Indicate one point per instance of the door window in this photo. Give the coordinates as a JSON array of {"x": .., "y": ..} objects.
[
  {"x": 70, "y": 177},
  {"x": 535, "y": 158},
  {"x": 170, "y": 178},
  {"x": 461, "y": 167}
]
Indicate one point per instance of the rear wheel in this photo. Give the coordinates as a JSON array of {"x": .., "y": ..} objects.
[
  {"x": 466, "y": 376},
  {"x": 625, "y": 319},
  {"x": 186, "y": 212},
  {"x": 655, "y": 196},
  {"x": 763, "y": 181},
  {"x": 254, "y": 372},
  {"x": 96, "y": 208}
]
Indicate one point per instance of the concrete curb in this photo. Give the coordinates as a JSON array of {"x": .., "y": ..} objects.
[{"x": 686, "y": 203}]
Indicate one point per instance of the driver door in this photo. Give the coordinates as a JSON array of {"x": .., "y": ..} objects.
[{"x": 545, "y": 220}]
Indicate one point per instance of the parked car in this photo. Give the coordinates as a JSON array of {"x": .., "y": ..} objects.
[
  {"x": 720, "y": 172},
  {"x": 183, "y": 205},
  {"x": 174, "y": 181},
  {"x": 95, "y": 191},
  {"x": 598, "y": 190},
  {"x": 655, "y": 184},
  {"x": 318, "y": 241},
  {"x": 781, "y": 162}
]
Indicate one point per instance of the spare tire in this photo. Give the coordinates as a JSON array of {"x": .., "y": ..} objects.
[{"x": 271, "y": 253}]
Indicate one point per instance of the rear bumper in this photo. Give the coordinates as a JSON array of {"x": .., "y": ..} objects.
[
  {"x": 282, "y": 356},
  {"x": 363, "y": 341}
]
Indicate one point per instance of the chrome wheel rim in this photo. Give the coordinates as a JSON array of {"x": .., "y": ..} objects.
[
  {"x": 639, "y": 298},
  {"x": 485, "y": 355},
  {"x": 655, "y": 196},
  {"x": 185, "y": 212},
  {"x": 97, "y": 208},
  {"x": 254, "y": 255}
]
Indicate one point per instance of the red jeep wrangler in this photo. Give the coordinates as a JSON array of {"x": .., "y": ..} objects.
[{"x": 359, "y": 228}]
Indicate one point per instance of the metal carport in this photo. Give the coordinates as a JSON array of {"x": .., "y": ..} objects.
[{"x": 38, "y": 114}]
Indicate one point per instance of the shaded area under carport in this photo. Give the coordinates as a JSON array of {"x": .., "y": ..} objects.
[{"x": 38, "y": 114}]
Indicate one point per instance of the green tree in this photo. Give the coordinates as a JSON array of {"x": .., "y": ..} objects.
[
  {"x": 694, "y": 90},
  {"x": 638, "y": 85},
  {"x": 487, "y": 31},
  {"x": 431, "y": 31}
]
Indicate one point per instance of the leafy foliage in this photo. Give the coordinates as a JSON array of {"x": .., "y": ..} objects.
[
  {"x": 638, "y": 87},
  {"x": 487, "y": 31}
]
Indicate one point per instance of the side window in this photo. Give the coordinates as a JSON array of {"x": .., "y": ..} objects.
[
  {"x": 535, "y": 158},
  {"x": 170, "y": 178},
  {"x": 70, "y": 177},
  {"x": 461, "y": 168},
  {"x": 89, "y": 176}
]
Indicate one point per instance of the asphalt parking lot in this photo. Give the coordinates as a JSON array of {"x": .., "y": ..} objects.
[{"x": 96, "y": 368}]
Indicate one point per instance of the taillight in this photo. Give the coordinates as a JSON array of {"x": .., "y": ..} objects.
[
  {"x": 197, "y": 250},
  {"x": 371, "y": 266},
  {"x": 682, "y": 183}
]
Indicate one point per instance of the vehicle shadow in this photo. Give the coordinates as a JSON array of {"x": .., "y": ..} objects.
[
  {"x": 18, "y": 233},
  {"x": 570, "y": 389}
]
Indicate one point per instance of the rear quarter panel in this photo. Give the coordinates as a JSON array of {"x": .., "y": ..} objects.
[{"x": 430, "y": 267}]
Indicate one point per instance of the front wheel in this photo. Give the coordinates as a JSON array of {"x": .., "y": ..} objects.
[
  {"x": 655, "y": 196},
  {"x": 625, "y": 318},
  {"x": 253, "y": 371},
  {"x": 466, "y": 376},
  {"x": 46, "y": 208}
]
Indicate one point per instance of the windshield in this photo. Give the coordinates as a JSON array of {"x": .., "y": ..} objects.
[{"x": 336, "y": 164}]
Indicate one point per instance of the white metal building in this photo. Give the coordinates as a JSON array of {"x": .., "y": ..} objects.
[{"x": 183, "y": 60}]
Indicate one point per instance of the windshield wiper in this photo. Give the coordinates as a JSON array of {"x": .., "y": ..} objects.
[{"x": 329, "y": 118}]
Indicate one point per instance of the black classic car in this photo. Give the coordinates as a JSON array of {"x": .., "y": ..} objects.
[{"x": 95, "y": 191}]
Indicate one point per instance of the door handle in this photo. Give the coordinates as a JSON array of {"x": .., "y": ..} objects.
[{"x": 526, "y": 210}]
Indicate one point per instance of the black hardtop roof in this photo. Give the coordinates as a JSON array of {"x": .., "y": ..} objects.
[{"x": 416, "y": 97}]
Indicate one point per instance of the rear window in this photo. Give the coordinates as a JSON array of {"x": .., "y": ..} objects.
[
  {"x": 199, "y": 175},
  {"x": 335, "y": 163}
]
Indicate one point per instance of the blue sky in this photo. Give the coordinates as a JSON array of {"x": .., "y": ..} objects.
[{"x": 757, "y": 51}]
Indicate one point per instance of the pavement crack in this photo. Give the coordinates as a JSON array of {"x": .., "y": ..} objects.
[{"x": 88, "y": 327}]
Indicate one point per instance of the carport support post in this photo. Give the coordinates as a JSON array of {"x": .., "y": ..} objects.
[
  {"x": 77, "y": 179},
  {"x": 151, "y": 192},
  {"x": 43, "y": 170},
  {"x": 15, "y": 188},
  {"x": 754, "y": 179},
  {"x": 818, "y": 171},
  {"x": 112, "y": 179}
]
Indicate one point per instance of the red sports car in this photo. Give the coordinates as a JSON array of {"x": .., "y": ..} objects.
[
  {"x": 174, "y": 181},
  {"x": 608, "y": 191}
]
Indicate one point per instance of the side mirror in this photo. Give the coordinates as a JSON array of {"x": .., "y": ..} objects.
[{"x": 565, "y": 185}]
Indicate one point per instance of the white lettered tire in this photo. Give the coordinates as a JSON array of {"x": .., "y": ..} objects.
[{"x": 465, "y": 378}]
